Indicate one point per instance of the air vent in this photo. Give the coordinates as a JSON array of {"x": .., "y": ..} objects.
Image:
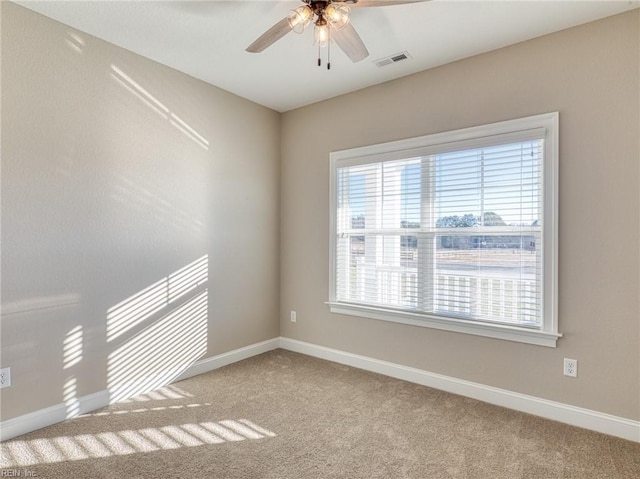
[{"x": 395, "y": 58}]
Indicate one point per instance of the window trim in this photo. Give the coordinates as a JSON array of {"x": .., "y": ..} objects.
[{"x": 474, "y": 137}]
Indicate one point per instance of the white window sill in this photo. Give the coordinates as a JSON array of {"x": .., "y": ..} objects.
[{"x": 498, "y": 331}]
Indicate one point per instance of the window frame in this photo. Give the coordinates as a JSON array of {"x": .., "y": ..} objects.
[{"x": 516, "y": 130}]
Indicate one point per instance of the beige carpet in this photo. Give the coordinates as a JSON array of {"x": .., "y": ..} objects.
[{"x": 285, "y": 415}]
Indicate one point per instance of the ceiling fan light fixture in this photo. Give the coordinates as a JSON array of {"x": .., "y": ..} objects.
[
  {"x": 300, "y": 18},
  {"x": 337, "y": 15},
  {"x": 331, "y": 19},
  {"x": 321, "y": 33}
]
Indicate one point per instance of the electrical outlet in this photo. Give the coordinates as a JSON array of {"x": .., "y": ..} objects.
[
  {"x": 5, "y": 377},
  {"x": 293, "y": 317},
  {"x": 571, "y": 367}
]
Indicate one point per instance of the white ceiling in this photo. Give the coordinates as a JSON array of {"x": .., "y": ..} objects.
[{"x": 207, "y": 39}]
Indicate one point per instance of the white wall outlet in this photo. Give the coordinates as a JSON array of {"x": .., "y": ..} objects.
[
  {"x": 293, "y": 317},
  {"x": 571, "y": 367},
  {"x": 5, "y": 377}
]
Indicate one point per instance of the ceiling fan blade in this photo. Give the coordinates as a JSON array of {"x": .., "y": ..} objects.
[
  {"x": 383, "y": 3},
  {"x": 350, "y": 43},
  {"x": 271, "y": 36}
]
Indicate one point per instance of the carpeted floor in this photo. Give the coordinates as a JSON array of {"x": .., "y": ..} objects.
[{"x": 285, "y": 415}]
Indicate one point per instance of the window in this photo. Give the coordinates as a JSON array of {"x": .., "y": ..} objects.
[{"x": 453, "y": 231}]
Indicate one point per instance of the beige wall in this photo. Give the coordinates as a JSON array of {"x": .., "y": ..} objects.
[
  {"x": 117, "y": 172},
  {"x": 590, "y": 74}
]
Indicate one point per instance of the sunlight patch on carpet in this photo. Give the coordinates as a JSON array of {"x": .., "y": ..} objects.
[{"x": 106, "y": 444}]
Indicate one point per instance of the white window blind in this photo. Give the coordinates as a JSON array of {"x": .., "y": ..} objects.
[{"x": 454, "y": 230}]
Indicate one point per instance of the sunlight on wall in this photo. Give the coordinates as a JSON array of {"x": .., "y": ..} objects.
[
  {"x": 72, "y": 348},
  {"x": 132, "y": 86},
  {"x": 161, "y": 352},
  {"x": 142, "y": 305},
  {"x": 175, "y": 313},
  {"x": 19, "y": 453},
  {"x": 75, "y": 42},
  {"x": 187, "y": 130},
  {"x": 156, "y": 105},
  {"x": 70, "y": 397}
]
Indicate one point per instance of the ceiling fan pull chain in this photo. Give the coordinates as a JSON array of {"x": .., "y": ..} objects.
[
  {"x": 329, "y": 48},
  {"x": 319, "y": 61}
]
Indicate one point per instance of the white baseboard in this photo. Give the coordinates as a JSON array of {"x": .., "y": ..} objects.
[
  {"x": 565, "y": 413},
  {"x": 60, "y": 412}
]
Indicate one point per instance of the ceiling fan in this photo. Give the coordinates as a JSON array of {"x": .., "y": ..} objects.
[{"x": 332, "y": 22}]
